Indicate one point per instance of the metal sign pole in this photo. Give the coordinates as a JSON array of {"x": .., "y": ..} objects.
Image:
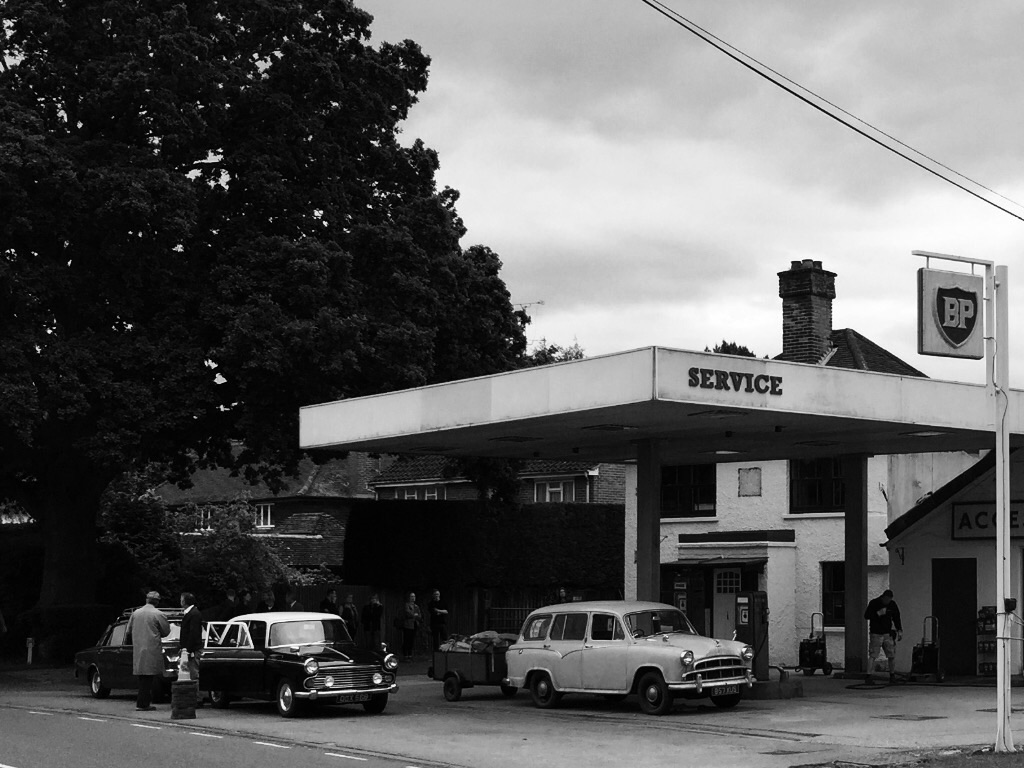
[
  {"x": 997, "y": 367},
  {"x": 999, "y": 387}
]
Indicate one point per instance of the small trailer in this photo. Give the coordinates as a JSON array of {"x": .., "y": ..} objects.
[{"x": 459, "y": 669}]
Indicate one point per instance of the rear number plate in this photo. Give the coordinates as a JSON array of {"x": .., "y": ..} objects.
[
  {"x": 350, "y": 697},
  {"x": 725, "y": 690}
]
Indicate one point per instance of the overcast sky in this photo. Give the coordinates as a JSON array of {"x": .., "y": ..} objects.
[{"x": 648, "y": 189}]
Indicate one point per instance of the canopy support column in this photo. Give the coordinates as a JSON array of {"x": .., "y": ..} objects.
[
  {"x": 855, "y": 478},
  {"x": 648, "y": 521}
]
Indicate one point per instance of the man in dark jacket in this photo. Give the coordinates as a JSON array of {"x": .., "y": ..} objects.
[
  {"x": 191, "y": 635},
  {"x": 886, "y": 628}
]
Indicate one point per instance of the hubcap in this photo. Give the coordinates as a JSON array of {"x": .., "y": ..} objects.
[
  {"x": 542, "y": 689},
  {"x": 286, "y": 697},
  {"x": 653, "y": 694},
  {"x": 95, "y": 681}
]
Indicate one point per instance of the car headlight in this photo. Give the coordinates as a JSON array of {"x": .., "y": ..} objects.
[
  {"x": 378, "y": 678},
  {"x": 311, "y": 666},
  {"x": 747, "y": 653},
  {"x": 687, "y": 658},
  {"x": 391, "y": 661}
]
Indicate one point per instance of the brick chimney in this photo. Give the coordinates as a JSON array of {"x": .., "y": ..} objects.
[{"x": 807, "y": 291}]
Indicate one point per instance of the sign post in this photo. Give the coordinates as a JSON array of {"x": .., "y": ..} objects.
[{"x": 948, "y": 305}]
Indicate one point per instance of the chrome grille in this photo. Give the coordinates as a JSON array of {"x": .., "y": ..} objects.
[
  {"x": 349, "y": 676},
  {"x": 717, "y": 668}
]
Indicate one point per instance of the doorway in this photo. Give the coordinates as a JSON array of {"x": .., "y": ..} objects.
[
  {"x": 955, "y": 607},
  {"x": 727, "y": 584}
]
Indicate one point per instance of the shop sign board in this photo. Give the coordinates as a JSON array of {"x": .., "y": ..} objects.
[
  {"x": 977, "y": 520},
  {"x": 949, "y": 314}
]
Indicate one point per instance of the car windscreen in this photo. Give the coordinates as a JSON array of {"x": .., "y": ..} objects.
[
  {"x": 308, "y": 632},
  {"x": 175, "y": 635},
  {"x": 644, "y": 623}
]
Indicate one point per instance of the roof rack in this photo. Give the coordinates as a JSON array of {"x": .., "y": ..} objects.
[{"x": 171, "y": 613}]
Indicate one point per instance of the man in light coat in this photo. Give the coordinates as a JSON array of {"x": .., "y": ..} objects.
[{"x": 147, "y": 627}]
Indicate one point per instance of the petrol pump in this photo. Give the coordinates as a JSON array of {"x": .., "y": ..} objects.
[{"x": 752, "y": 628}]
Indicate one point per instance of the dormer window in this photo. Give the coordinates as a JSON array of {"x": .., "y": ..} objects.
[{"x": 264, "y": 518}]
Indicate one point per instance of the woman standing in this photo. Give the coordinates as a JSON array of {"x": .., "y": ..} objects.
[{"x": 411, "y": 618}]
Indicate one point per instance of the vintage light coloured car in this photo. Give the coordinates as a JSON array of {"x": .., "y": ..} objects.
[
  {"x": 292, "y": 657},
  {"x": 618, "y": 647},
  {"x": 108, "y": 664}
]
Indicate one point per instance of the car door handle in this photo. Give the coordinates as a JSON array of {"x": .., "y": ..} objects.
[
  {"x": 587, "y": 645},
  {"x": 547, "y": 645}
]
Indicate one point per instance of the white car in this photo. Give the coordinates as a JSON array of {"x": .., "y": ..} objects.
[{"x": 618, "y": 647}]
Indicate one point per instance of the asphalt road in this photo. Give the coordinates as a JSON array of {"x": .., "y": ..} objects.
[{"x": 55, "y": 722}]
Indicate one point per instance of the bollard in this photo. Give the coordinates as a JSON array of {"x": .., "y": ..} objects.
[
  {"x": 29, "y": 643},
  {"x": 183, "y": 700}
]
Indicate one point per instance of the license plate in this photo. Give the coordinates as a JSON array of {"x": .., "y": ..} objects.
[
  {"x": 347, "y": 698},
  {"x": 725, "y": 690}
]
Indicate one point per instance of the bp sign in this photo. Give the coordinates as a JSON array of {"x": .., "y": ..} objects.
[{"x": 949, "y": 307}]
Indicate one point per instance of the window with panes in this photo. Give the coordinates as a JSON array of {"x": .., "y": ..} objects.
[
  {"x": 688, "y": 491},
  {"x": 816, "y": 485}
]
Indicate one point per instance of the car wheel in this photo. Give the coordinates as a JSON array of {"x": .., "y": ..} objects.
[
  {"x": 287, "y": 703},
  {"x": 543, "y": 691},
  {"x": 508, "y": 691},
  {"x": 655, "y": 697},
  {"x": 219, "y": 699},
  {"x": 452, "y": 688},
  {"x": 376, "y": 704},
  {"x": 827, "y": 669},
  {"x": 96, "y": 686},
  {"x": 726, "y": 702}
]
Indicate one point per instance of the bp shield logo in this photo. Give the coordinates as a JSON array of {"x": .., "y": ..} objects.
[{"x": 956, "y": 312}]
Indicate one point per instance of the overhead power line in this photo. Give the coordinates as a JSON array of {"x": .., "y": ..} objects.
[{"x": 818, "y": 102}]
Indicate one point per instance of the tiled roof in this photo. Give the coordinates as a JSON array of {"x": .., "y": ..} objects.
[
  {"x": 422, "y": 469},
  {"x": 308, "y": 540},
  {"x": 852, "y": 350},
  {"x": 210, "y": 486}
]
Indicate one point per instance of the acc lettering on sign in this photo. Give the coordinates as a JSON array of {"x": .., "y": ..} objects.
[
  {"x": 977, "y": 520},
  {"x": 735, "y": 381}
]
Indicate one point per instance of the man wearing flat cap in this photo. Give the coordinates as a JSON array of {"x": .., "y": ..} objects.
[{"x": 148, "y": 626}]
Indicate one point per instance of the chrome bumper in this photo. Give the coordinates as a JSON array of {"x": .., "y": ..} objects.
[
  {"x": 698, "y": 684},
  {"x": 331, "y": 694}
]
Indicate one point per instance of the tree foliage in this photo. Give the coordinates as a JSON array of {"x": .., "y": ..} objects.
[
  {"x": 207, "y": 221},
  {"x": 545, "y": 354},
  {"x": 205, "y": 549},
  {"x": 731, "y": 348}
]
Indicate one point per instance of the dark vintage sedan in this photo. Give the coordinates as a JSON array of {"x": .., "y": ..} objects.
[
  {"x": 108, "y": 664},
  {"x": 291, "y": 658}
]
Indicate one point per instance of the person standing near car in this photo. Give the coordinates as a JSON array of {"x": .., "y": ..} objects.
[
  {"x": 373, "y": 614},
  {"x": 437, "y": 610},
  {"x": 886, "y": 628},
  {"x": 350, "y": 615},
  {"x": 147, "y": 627},
  {"x": 191, "y": 635},
  {"x": 410, "y": 618}
]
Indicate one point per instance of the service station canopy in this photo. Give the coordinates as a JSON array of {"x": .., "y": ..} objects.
[{"x": 699, "y": 407}]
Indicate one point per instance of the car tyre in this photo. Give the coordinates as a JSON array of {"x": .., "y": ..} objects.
[
  {"x": 543, "y": 692},
  {"x": 726, "y": 702},
  {"x": 96, "y": 686},
  {"x": 376, "y": 704},
  {"x": 219, "y": 699},
  {"x": 287, "y": 703},
  {"x": 508, "y": 691},
  {"x": 826, "y": 670},
  {"x": 452, "y": 688},
  {"x": 655, "y": 696}
]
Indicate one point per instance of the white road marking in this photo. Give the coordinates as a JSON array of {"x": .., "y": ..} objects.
[
  {"x": 268, "y": 744},
  {"x": 140, "y": 725},
  {"x": 92, "y": 719},
  {"x": 48, "y": 714},
  {"x": 347, "y": 757},
  {"x": 4, "y": 765},
  {"x": 207, "y": 735}
]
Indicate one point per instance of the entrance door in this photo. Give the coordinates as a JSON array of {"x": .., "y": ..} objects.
[
  {"x": 727, "y": 584},
  {"x": 955, "y": 607}
]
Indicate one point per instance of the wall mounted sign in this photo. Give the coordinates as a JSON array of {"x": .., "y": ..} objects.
[
  {"x": 949, "y": 314},
  {"x": 735, "y": 381},
  {"x": 977, "y": 520}
]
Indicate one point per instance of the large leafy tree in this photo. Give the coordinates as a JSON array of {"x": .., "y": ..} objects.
[{"x": 206, "y": 221}]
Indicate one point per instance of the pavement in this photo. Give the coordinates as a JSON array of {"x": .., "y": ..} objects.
[{"x": 834, "y": 722}]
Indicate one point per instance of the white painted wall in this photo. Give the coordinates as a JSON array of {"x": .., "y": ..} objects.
[
  {"x": 793, "y": 572},
  {"x": 932, "y": 538}
]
